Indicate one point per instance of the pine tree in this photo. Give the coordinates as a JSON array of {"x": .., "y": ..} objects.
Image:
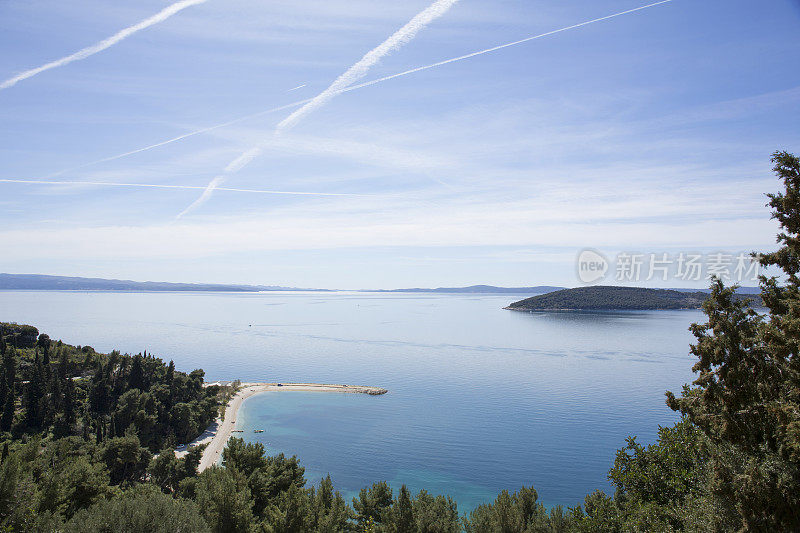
[{"x": 403, "y": 512}]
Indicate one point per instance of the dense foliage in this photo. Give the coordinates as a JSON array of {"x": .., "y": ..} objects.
[
  {"x": 56, "y": 388},
  {"x": 80, "y": 429}
]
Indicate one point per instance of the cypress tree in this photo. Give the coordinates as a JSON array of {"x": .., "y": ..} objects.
[
  {"x": 33, "y": 396},
  {"x": 136, "y": 376},
  {"x": 3, "y": 383},
  {"x": 9, "y": 371},
  {"x": 44, "y": 343},
  {"x": 171, "y": 384},
  {"x": 68, "y": 390}
]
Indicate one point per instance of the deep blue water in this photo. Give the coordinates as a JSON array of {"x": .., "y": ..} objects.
[{"x": 481, "y": 399}]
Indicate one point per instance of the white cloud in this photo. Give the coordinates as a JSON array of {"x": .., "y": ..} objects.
[{"x": 569, "y": 217}]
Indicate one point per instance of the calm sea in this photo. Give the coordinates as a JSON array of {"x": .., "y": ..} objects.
[{"x": 481, "y": 399}]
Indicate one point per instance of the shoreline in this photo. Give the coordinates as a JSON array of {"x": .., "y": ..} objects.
[{"x": 217, "y": 434}]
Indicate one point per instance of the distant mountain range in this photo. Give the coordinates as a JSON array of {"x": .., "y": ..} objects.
[
  {"x": 39, "y": 282},
  {"x": 740, "y": 290}
]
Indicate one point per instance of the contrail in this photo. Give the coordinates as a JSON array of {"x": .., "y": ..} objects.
[
  {"x": 179, "y": 137},
  {"x": 204, "y": 196},
  {"x": 351, "y": 75},
  {"x": 358, "y": 86},
  {"x": 500, "y": 47},
  {"x": 161, "y": 16},
  {"x": 160, "y": 186},
  {"x": 295, "y": 88},
  {"x": 370, "y": 59},
  {"x": 354, "y": 87}
]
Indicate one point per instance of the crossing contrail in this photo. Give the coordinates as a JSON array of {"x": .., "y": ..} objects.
[
  {"x": 354, "y": 87},
  {"x": 501, "y": 46},
  {"x": 360, "y": 86},
  {"x": 163, "y": 186},
  {"x": 350, "y": 76},
  {"x": 370, "y": 59},
  {"x": 161, "y": 16}
]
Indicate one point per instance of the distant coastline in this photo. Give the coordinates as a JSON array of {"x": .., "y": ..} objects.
[
  {"x": 216, "y": 436},
  {"x": 42, "y": 282}
]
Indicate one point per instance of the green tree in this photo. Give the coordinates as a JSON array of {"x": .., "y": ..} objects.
[
  {"x": 18, "y": 491},
  {"x": 403, "y": 512},
  {"x": 9, "y": 379},
  {"x": 656, "y": 480},
  {"x": 328, "y": 510},
  {"x": 164, "y": 470},
  {"x": 294, "y": 511},
  {"x": 373, "y": 504},
  {"x": 183, "y": 421},
  {"x": 34, "y": 396},
  {"x": 435, "y": 514},
  {"x": 126, "y": 459},
  {"x": 224, "y": 500},
  {"x": 139, "y": 512},
  {"x": 510, "y": 513},
  {"x": 70, "y": 485},
  {"x": 283, "y": 472},
  {"x": 191, "y": 460},
  {"x": 602, "y": 514},
  {"x": 44, "y": 343},
  {"x": 65, "y": 419},
  {"x": 244, "y": 456},
  {"x": 136, "y": 376},
  {"x": 746, "y": 398}
]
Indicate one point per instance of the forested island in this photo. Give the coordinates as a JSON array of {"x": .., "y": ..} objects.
[
  {"x": 603, "y": 297},
  {"x": 88, "y": 441}
]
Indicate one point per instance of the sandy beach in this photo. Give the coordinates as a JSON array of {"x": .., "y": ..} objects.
[{"x": 218, "y": 433}]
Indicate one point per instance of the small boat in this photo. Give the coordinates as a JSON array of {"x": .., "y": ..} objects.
[{"x": 258, "y": 431}]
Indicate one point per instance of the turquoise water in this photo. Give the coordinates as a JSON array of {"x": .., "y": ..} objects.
[{"x": 481, "y": 399}]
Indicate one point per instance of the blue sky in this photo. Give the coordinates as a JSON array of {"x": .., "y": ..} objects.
[{"x": 649, "y": 132}]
